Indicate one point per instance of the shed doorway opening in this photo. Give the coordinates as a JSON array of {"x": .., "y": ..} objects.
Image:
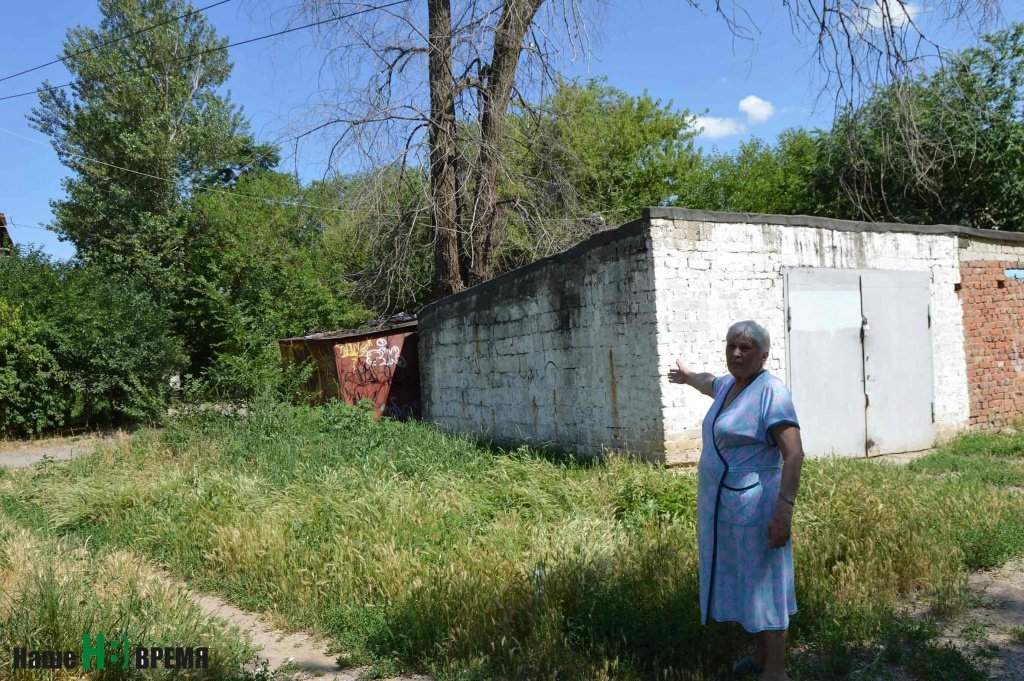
[{"x": 859, "y": 358}]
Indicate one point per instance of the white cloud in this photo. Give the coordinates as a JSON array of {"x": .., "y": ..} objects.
[
  {"x": 758, "y": 110},
  {"x": 711, "y": 126},
  {"x": 881, "y": 14}
]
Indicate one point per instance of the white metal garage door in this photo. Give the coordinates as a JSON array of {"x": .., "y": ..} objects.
[{"x": 859, "y": 354}]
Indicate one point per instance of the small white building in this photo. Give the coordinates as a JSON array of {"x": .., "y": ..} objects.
[{"x": 890, "y": 336}]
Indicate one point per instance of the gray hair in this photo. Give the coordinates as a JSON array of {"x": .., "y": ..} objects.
[{"x": 752, "y": 330}]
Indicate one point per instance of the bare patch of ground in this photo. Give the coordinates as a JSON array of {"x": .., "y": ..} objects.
[
  {"x": 1000, "y": 611},
  {"x": 25, "y": 453},
  {"x": 990, "y": 630},
  {"x": 286, "y": 656}
]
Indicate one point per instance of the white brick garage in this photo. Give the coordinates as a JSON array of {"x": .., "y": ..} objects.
[
  {"x": 715, "y": 268},
  {"x": 573, "y": 351},
  {"x": 561, "y": 352}
]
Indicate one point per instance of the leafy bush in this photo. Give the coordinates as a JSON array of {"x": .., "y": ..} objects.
[
  {"x": 111, "y": 342},
  {"x": 247, "y": 366},
  {"x": 260, "y": 271},
  {"x": 33, "y": 390},
  {"x": 115, "y": 346}
]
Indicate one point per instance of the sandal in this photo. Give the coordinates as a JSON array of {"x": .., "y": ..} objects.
[{"x": 747, "y": 667}]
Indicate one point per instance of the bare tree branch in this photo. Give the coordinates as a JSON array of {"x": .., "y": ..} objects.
[{"x": 428, "y": 86}]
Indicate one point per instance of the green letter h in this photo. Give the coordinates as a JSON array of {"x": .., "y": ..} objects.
[{"x": 99, "y": 651}]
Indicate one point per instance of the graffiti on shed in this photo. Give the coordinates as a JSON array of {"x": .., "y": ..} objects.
[
  {"x": 379, "y": 365},
  {"x": 383, "y": 370}
]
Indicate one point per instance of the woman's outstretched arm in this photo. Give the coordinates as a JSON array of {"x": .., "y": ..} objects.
[{"x": 702, "y": 382}]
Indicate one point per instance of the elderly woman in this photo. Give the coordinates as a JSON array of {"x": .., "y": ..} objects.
[{"x": 749, "y": 473}]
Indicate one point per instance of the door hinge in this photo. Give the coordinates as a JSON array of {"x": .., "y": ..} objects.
[
  {"x": 789, "y": 319},
  {"x": 867, "y": 401},
  {"x": 933, "y": 412},
  {"x": 930, "y": 317}
]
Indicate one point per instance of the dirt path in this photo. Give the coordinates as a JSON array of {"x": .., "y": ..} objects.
[
  {"x": 301, "y": 654},
  {"x": 999, "y": 610},
  {"x": 22, "y": 454},
  {"x": 304, "y": 654},
  {"x": 298, "y": 656},
  {"x": 1001, "y": 613}
]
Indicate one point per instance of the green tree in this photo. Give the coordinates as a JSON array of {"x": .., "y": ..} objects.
[
  {"x": 109, "y": 352},
  {"x": 618, "y": 153},
  {"x": 33, "y": 390},
  {"x": 760, "y": 178},
  {"x": 382, "y": 235},
  {"x": 411, "y": 75},
  {"x": 593, "y": 158},
  {"x": 115, "y": 345},
  {"x": 262, "y": 270},
  {"x": 944, "y": 148},
  {"x": 140, "y": 127}
]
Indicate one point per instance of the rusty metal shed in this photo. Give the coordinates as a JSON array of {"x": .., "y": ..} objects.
[{"x": 379, "y": 364}]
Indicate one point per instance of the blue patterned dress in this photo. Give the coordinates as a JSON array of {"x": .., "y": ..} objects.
[{"x": 742, "y": 579}]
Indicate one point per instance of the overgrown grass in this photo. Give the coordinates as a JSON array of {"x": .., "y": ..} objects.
[
  {"x": 52, "y": 593},
  {"x": 417, "y": 550},
  {"x": 997, "y": 459}
]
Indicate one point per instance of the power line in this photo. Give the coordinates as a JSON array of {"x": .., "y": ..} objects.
[
  {"x": 113, "y": 40},
  {"x": 215, "y": 49},
  {"x": 275, "y": 202},
  {"x": 20, "y": 226},
  {"x": 229, "y": 192}
]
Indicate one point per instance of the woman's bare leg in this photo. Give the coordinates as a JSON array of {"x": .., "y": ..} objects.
[
  {"x": 773, "y": 643},
  {"x": 759, "y": 649}
]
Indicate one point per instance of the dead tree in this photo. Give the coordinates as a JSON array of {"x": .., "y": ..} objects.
[
  {"x": 443, "y": 150},
  {"x": 415, "y": 85}
]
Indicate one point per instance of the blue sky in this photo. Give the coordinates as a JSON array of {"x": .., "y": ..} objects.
[{"x": 744, "y": 88}]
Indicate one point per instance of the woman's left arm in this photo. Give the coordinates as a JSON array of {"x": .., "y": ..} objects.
[{"x": 788, "y": 438}]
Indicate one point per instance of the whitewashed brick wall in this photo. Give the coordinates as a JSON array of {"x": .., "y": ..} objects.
[
  {"x": 711, "y": 274},
  {"x": 574, "y": 351},
  {"x": 973, "y": 250},
  {"x": 560, "y": 353}
]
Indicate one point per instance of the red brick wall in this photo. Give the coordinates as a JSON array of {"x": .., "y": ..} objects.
[{"x": 994, "y": 340}]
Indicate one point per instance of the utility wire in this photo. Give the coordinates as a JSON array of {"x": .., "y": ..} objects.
[
  {"x": 113, "y": 40},
  {"x": 263, "y": 199},
  {"x": 20, "y": 226},
  {"x": 229, "y": 192},
  {"x": 214, "y": 49}
]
